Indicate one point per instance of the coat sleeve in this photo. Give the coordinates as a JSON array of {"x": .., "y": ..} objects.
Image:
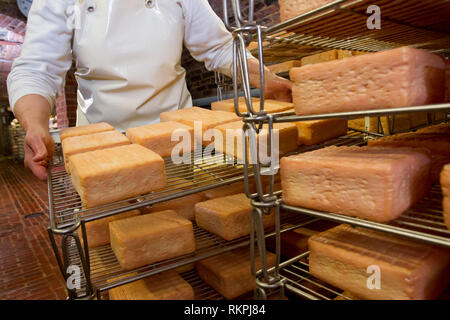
[
  {"x": 206, "y": 37},
  {"x": 46, "y": 53}
]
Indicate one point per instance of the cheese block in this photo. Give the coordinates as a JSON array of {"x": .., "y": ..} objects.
[
  {"x": 318, "y": 131},
  {"x": 146, "y": 239},
  {"x": 163, "y": 286},
  {"x": 437, "y": 143},
  {"x": 344, "y": 257},
  {"x": 228, "y": 217},
  {"x": 271, "y": 106},
  {"x": 203, "y": 118},
  {"x": 292, "y": 8},
  {"x": 439, "y": 128},
  {"x": 325, "y": 56},
  {"x": 234, "y": 188},
  {"x": 97, "y": 231},
  {"x": 389, "y": 79},
  {"x": 376, "y": 184},
  {"x": 184, "y": 206},
  {"x": 230, "y": 273},
  {"x": 284, "y": 66},
  {"x": 232, "y": 143},
  {"x": 108, "y": 175},
  {"x": 91, "y": 142},
  {"x": 158, "y": 137},
  {"x": 445, "y": 183},
  {"x": 83, "y": 130}
]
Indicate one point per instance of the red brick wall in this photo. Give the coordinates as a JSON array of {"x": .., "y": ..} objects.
[{"x": 201, "y": 81}]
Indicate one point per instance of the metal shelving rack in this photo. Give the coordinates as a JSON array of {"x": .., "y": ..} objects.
[{"x": 338, "y": 25}]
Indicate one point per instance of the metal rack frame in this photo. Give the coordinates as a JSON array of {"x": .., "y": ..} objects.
[{"x": 404, "y": 23}]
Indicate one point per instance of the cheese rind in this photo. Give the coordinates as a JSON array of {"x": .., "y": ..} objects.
[
  {"x": 97, "y": 231},
  {"x": 409, "y": 270},
  {"x": 119, "y": 173},
  {"x": 292, "y": 8},
  {"x": 198, "y": 116},
  {"x": 437, "y": 143},
  {"x": 158, "y": 137},
  {"x": 271, "y": 106},
  {"x": 318, "y": 131},
  {"x": 228, "y": 217},
  {"x": 229, "y": 273},
  {"x": 232, "y": 143},
  {"x": 83, "y": 130},
  {"x": 376, "y": 184},
  {"x": 90, "y": 142},
  {"x": 284, "y": 66},
  {"x": 389, "y": 79},
  {"x": 164, "y": 286},
  {"x": 146, "y": 239}
]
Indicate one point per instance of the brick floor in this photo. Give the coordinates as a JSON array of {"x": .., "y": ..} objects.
[{"x": 28, "y": 268}]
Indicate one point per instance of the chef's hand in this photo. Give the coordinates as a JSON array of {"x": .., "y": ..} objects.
[
  {"x": 275, "y": 87},
  {"x": 39, "y": 148},
  {"x": 33, "y": 113}
]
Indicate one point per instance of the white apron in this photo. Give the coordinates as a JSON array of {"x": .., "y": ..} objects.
[{"x": 128, "y": 57}]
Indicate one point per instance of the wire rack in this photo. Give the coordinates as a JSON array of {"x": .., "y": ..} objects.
[
  {"x": 423, "y": 222},
  {"x": 343, "y": 25},
  {"x": 299, "y": 281},
  {"x": 202, "y": 173},
  {"x": 106, "y": 273}
]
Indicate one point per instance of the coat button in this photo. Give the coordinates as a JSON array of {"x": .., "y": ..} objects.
[{"x": 150, "y": 3}]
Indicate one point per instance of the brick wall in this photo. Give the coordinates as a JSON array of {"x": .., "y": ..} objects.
[
  {"x": 201, "y": 81},
  {"x": 12, "y": 31}
]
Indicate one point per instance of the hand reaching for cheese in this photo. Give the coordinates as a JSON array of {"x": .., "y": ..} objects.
[
  {"x": 33, "y": 112},
  {"x": 39, "y": 147},
  {"x": 275, "y": 87}
]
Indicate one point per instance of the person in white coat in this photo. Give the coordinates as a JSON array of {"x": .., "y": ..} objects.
[{"x": 128, "y": 63}]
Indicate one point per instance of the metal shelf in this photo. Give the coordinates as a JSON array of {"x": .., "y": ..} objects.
[
  {"x": 202, "y": 291},
  {"x": 66, "y": 208},
  {"x": 343, "y": 25},
  {"x": 297, "y": 280},
  {"x": 291, "y": 117},
  {"x": 423, "y": 222},
  {"x": 106, "y": 273}
]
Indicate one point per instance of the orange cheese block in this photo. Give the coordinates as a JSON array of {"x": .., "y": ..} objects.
[
  {"x": 97, "y": 231},
  {"x": 228, "y": 217},
  {"x": 318, "y": 131},
  {"x": 87, "y": 129},
  {"x": 230, "y": 273},
  {"x": 164, "y": 286},
  {"x": 284, "y": 66},
  {"x": 376, "y": 184},
  {"x": 203, "y": 118},
  {"x": 325, "y": 56},
  {"x": 292, "y": 8},
  {"x": 91, "y": 142},
  {"x": 439, "y": 128},
  {"x": 389, "y": 79},
  {"x": 232, "y": 142},
  {"x": 164, "y": 137},
  {"x": 146, "y": 239},
  {"x": 346, "y": 256},
  {"x": 271, "y": 106},
  {"x": 295, "y": 242},
  {"x": 437, "y": 143},
  {"x": 184, "y": 206},
  {"x": 227, "y": 190},
  {"x": 445, "y": 183},
  {"x": 108, "y": 175}
]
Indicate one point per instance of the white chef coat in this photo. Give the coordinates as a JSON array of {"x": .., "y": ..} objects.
[{"x": 127, "y": 53}]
